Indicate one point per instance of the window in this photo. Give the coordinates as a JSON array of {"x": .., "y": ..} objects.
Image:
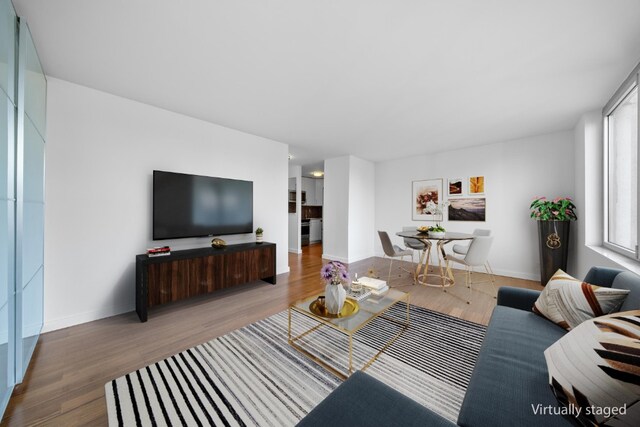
[{"x": 621, "y": 169}]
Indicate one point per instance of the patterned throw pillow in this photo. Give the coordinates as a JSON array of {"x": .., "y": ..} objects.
[
  {"x": 594, "y": 370},
  {"x": 567, "y": 301}
]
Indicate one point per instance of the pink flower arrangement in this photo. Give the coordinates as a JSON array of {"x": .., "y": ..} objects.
[{"x": 559, "y": 209}]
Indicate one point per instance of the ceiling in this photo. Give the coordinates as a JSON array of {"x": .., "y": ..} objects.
[
  {"x": 375, "y": 79},
  {"x": 309, "y": 169}
]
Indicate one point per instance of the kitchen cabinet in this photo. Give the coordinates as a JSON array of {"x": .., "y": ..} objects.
[
  {"x": 309, "y": 188},
  {"x": 292, "y": 195},
  {"x": 315, "y": 230},
  {"x": 319, "y": 192},
  {"x": 315, "y": 191}
]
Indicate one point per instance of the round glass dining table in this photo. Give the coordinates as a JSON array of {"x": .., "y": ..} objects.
[{"x": 422, "y": 269}]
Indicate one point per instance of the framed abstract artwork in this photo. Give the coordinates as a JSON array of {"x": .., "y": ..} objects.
[
  {"x": 426, "y": 197},
  {"x": 455, "y": 186},
  {"x": 476, "y": 185},
  {"x": 468, "y": 209}
]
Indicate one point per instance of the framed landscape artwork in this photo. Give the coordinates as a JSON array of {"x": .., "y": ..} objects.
[
  {"x": 425, "y": 198},
  {"x": 468, "y": 209},
  {"x": 455, "y": 186},
  {"x": 476, "y": 185}
]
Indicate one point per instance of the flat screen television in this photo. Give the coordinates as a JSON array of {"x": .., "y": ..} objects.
[{"x": 195, "y": 206}]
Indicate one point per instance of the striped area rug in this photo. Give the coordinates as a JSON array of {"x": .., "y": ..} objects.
[{"x": 252, "y": 376}]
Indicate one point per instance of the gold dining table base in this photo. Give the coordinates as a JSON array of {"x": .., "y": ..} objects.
[
  {"x": 445, "y": 278},
  {"x": 446, "y": 275}
]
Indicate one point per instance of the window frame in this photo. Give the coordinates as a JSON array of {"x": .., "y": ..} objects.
[{"x": 630, "y": 83}]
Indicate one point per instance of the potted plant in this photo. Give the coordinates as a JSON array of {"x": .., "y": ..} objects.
[
  {"x": 334, "y": 274},
  {"x": 554, "y": 218},
  {"x": 437, "y": 231},
  {"x": 259, "y": 232}
]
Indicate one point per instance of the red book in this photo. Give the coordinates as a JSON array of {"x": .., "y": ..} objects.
[{"x": 159, "y": 250}]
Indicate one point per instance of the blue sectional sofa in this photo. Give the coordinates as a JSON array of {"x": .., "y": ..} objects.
[{"x": 509, "y": 377}]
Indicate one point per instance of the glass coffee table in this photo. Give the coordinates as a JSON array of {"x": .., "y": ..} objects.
[{"x": 370, "y": 308}]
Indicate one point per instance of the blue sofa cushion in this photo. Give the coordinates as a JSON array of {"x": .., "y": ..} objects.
[
  {"x": 364, "y": 401},
  {"x": 511, "y": 373}
]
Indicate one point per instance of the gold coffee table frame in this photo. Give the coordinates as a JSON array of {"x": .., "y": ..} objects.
[{"x": 371, "y": 308}]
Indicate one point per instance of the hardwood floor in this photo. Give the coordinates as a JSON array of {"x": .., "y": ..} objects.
[{"x": 64, "y": 385}]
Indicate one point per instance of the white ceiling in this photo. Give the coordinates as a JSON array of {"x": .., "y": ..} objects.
[
  {"x": 308, "y": 169},
  {"x": 376, "y": 79}
]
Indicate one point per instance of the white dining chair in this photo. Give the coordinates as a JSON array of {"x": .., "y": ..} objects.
[
  {"x": 476, "y": 256},
  {"x": 393, "y": 251},
  {"x": 461, "y": 249}
]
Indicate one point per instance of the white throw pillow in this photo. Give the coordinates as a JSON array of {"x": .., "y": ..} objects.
[
  {"x": 567, "y": 301},
  {"x": 594, "y": 370}
]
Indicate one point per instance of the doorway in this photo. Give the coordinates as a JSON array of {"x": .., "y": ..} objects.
[{"x": 306, "y": 202}]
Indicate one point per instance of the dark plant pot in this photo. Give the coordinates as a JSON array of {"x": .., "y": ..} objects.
[{"x": 554, "y": 247}]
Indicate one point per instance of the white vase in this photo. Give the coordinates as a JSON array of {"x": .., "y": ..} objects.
[
  {"x": 258, "y": 238},
  {"x": 334, "y": 296}
]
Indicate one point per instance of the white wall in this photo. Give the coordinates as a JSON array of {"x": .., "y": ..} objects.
[
  {"x": 348, "y": 214},
  {"x": 361, "y": 204},
  {"x": 589, "y": 200},
  {"x": 515, "y": 172},
  {"x": 101, "y": 151},
  {"x": 335, "y": 211}
]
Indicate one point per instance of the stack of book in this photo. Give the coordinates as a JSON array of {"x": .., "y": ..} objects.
[
  {"x": 377, "y": 286},
  {"x": 159, "y": 251}
]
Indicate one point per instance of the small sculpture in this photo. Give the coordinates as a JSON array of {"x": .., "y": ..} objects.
[{"x": 218, "y": 243}]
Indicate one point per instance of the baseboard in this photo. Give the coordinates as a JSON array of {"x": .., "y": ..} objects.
[
  {"x": 90, "y": 316},
  {"x": 295, "y": 251},
  {"x": 359, "y": 258},
  {"x": 345, "y": 260},
  {"x": 335, "y": 258},
  {"x": 80, "y": 318},
  {"x": 498, "y": 271},
  {"x": 517, "y": 274}
]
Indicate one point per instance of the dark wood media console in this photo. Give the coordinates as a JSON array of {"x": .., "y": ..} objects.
[{"x": 191, "y": 272}]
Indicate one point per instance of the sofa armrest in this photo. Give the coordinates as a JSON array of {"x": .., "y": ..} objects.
[
  {"x": 519, "y": 298},
  {"x": 364, "y": 401},
  {"x": 602, "y": 276}
]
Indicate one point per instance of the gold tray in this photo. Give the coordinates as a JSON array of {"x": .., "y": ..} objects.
[{"x": 349, "y": 308}]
